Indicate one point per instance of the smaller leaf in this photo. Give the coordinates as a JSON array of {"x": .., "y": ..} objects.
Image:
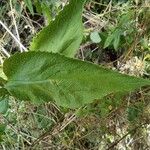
[
  {"x": 43, "y": 120},
  {"x": 116, "y": 39},
  {"x": 2, "y": 131},
  {"x": 29, "y": 5},
  {"x": 4, "y": 105},
  {"x": 37, "y": 4},
  {"x": 46, "y": 12},
  {"x": 3, "y": 92},
  {"x": 2, "y": 128},
  {"x": 95, "y": 37},
  {"x": 109, "y": 40},
  {"x": 133, "y": 112}
]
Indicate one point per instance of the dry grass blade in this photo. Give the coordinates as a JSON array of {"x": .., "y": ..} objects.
[{"x": 16, "y": 40}]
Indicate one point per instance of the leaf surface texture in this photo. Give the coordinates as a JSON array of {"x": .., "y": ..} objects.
[
  {"x": 64, "y": 34},
  {"x": 43, "y": 76}
]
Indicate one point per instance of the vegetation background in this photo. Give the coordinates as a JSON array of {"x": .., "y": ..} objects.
[{"x": 116, "y": 35}]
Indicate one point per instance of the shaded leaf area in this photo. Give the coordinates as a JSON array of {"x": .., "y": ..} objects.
[
  {"x": 64, "y": 34},
  {"x": 2, "y": 81},
  {"x": 4, "y": 105},
  {"x": 43, "y": 76},
  {"x": 2, "y": 131},
  {"x": 29, "y": 5},
  {"x": 3, "y": 92}
]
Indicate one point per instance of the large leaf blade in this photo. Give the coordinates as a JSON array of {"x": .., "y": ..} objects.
[
  {"x": 64, "y": 34},
  {"x": 43, "y": 76}
]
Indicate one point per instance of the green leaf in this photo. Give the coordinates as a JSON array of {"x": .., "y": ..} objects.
[
  {"x": 95, "y": 37},
  {"x": 133, "y": 112},
  {"x": 38, "y": 7},
  {"x": 2, "y": 128},
  {"x": 109, "y": 40},
  {"x": 2, "y": 81},
  {"x": 43, "y": 76},
  {"x": 29, "y": 5},
  {"x": 64, "y": 34},
  {"x": 2, "y": 75},
  {"x": 2, "y": 131},
  {"x": 46, "y": 12},
  {"x": 3, "y": 92},
  {"x": 4, "y": 105},
  {"x": 43, "y": 120},
  {"x": 116, "y": 39}
]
